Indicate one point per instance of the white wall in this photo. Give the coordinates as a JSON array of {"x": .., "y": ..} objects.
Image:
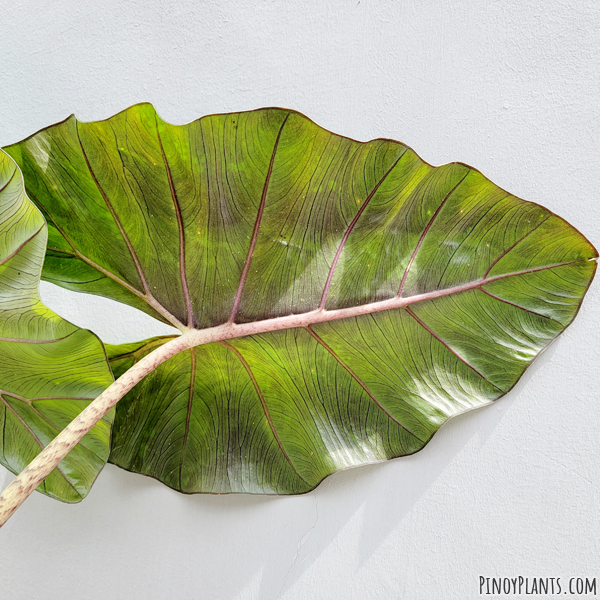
[{"x": 510, "y": 87}]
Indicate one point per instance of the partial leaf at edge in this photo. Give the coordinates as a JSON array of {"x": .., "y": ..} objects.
[
  {"x": 49, "y": 369},
  {"x": 253, "y": 216}
]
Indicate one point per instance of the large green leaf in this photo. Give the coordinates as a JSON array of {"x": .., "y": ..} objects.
[
  {"x": 361, "y": 297},
  {"x": 49, "y": 369}
]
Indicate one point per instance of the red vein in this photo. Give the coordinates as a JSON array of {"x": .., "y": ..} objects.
[
  {"x": 439, "y": 339},
  {"x": 37, "y": 440},
  {"x": 22, "y": 398},
  {"x": 22, "y": 341},
  {"x": 87, "y": 260},
  {"x": 422, "y": 238},
  {"x": 189, "y": 409},
  {"x": 238, "y": 295},
  {"x": 358, "y": 380},
  {"x": 110, "y": 207},
  {"x": 182, "y": 273},
  {"x": 516, "y": 305},
  {"x": 349, "y": 230},
  {"x": 264, "y": 405},
  {"x": 30, "y": 400},
  {"x": 148, "y": 299},
  {"x": 9, "y": 180},
  {"x": 110, "y": 275},
  {"x": 5, "y": 260},
  {"x": 31, "y": 432},
  {"x": 228, "y": 331},
  {"x": 515, "y": 244}
]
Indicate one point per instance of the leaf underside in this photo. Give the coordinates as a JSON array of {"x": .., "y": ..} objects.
[
  {"x": 243, "y": 218},
  {"x": 49, "y": 369}
]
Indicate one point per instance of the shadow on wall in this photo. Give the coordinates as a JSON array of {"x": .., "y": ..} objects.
[{"x": 382, "y": 495}]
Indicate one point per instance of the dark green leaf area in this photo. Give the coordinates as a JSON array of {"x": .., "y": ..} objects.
[
  {"x": 327, "y": 397},
  {"x": 49, "y": 369},
  {"x": 123, "y": 356},
  {"x": 130, "y": 199},
  {"x": 162, "y": 216},
  {"x": 198, "y": 424},
  {"x": 248, "y": 217},
  {"x": 274, "y": 413},
  {"x": 128, "y": 195},
  {"x": 554, "y": 293}
]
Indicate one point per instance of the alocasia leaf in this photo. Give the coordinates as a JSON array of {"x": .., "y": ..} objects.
[
  {"x": 49, "y": 369},
  {"x": 355, "y": 297}
]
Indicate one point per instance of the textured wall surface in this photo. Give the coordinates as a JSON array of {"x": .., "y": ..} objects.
[{"x": 511, "y": 88}]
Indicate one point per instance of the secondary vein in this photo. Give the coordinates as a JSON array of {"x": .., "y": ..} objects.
[
  {"x": 238, "y": 295},
  {"x": 358, "y": 380},
  {"x": 264, "y": 405},
  {"x": 182, "y": 271},
  {"x": 349, "y": 230}
]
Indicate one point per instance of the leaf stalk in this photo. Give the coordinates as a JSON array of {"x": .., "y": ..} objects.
[
  {"x": 31, "y": 477},
  {"x": 42, "y": 465}
]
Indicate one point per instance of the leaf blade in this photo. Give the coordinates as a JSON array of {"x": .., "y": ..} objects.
[
  {"x": 419, "y": 291},
  {"x": 49, "y": 369}
]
